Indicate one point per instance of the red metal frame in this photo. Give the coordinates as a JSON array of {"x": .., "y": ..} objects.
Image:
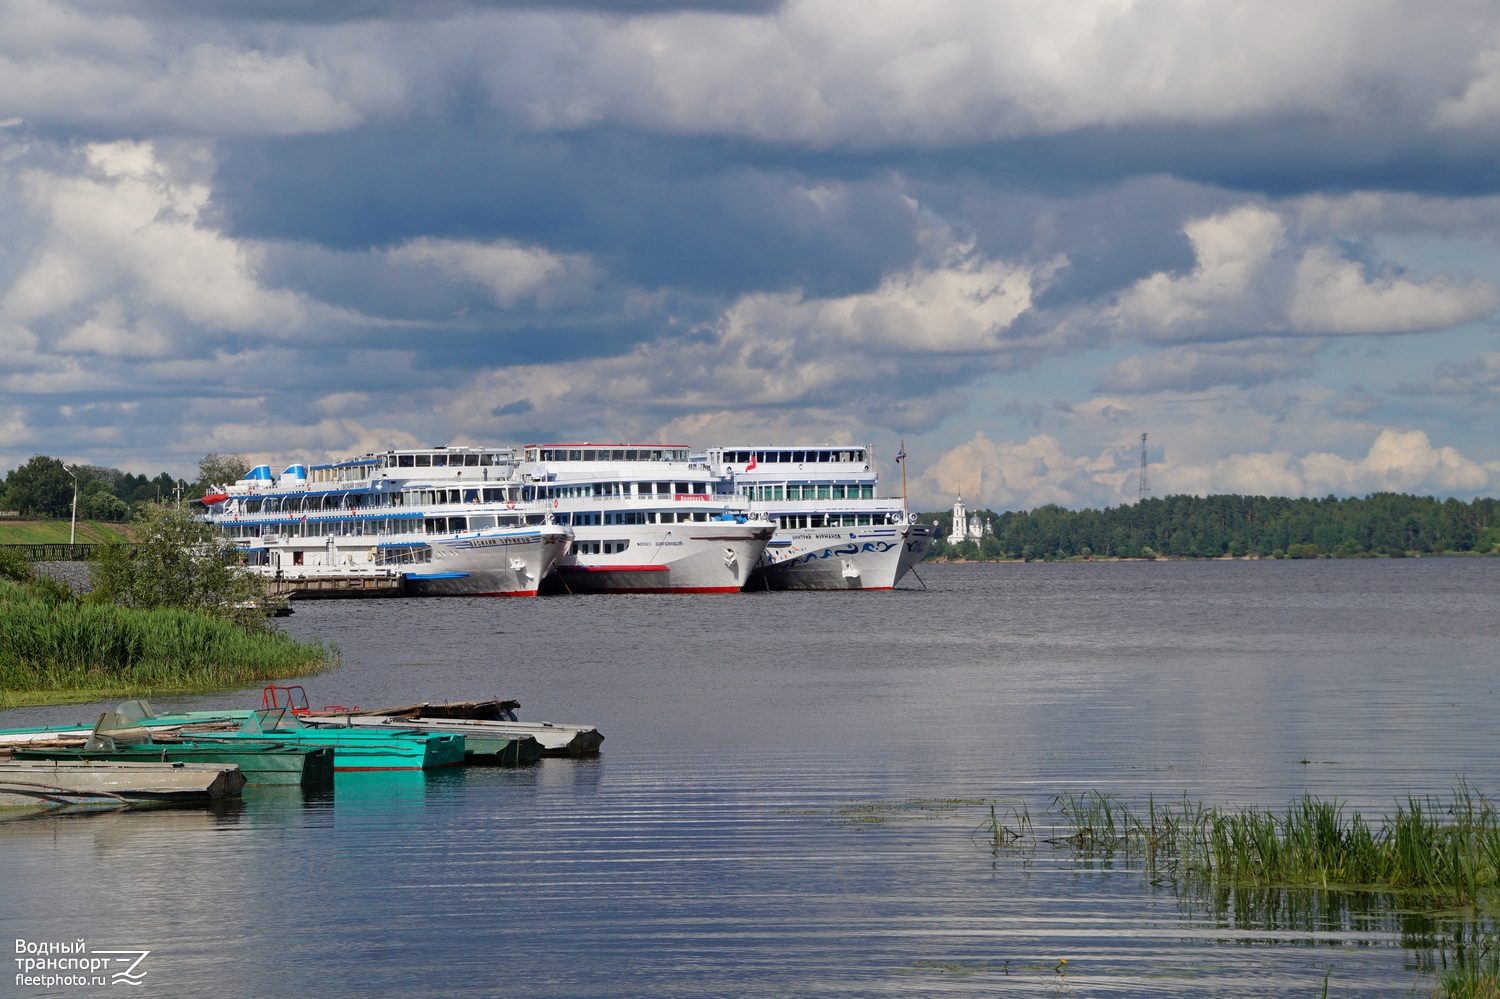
[{"x": 270, "y": 697}]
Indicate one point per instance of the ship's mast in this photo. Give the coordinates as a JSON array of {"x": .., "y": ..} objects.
[{"x": 901, "y": 460}]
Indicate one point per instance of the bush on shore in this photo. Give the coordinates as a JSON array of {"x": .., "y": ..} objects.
[{"x": 160, "y": 619}]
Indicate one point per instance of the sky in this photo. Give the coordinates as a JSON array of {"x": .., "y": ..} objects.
[{"x": 1014, "y": 235}]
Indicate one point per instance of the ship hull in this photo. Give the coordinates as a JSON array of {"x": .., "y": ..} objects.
[
  {"x": 712, "y": 557},
  {"x": 489, "y": 567},
  {"x": 857, "y": 558},
  {"x": 498, "y": 564}
]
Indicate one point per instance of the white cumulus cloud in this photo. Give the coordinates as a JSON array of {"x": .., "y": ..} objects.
[
  {"x": 1334, "y": 295},
  {"x": 508, "y": 271},
  {"x": 1012, "y": 475},
  {"x": 1252, "y": 278},
  {"x": 1233, "y": 252},
  {"x": 828, "y": 72},
  {"x": 127, "y": 229},
  {"x": 1026, "y": 474},
  {"x": 62, "y": 64},
  {"x": 876, "y": 354}
]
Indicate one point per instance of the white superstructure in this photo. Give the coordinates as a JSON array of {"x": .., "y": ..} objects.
[
  {"x": 450, "y": 519},
  {"x": 645, "y": 519},
  {"x": 834, "y": 532}
]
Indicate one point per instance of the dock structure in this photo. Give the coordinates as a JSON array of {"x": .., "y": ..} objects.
[{"x": 337, "y": 585}]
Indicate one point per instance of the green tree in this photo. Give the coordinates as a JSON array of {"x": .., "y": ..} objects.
[
  {"x": 219, "y": 470},
  {"x": 102, "y": 505},
  {"x": 180, "y": 561},
  {"x": 41, "y": 487}
]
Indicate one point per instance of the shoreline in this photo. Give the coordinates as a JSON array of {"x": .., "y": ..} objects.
[{"x": 947, "y": 560}]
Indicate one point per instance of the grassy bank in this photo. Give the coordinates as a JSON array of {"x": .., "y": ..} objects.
[
  {"x": 57, "y": 532},
  {"x": 54, "y": 652}
]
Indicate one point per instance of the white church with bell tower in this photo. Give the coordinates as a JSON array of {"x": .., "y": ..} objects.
[{"x": 966, "y": 526}]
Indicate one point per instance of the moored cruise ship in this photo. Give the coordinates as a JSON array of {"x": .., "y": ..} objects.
[
  {"x": 448, "y": 519},
  {"x": 645, "y": 519},
  {"x": 834, "y": 532}
]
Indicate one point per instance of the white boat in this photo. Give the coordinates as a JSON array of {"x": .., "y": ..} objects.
[
  {"x": 446, "y": 520},
  {"x": 556, "y": 738},
  {"x": 645, "y": 519},
  {"x": 834, "y": 531}
]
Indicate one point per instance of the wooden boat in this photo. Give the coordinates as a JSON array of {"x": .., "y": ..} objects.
[
  {"x": 554, "y": 739},
  {"x": 60, "y": 783},
  {"x": 482, "y": 744},
  {"x": 133, "y": 713},
  {"x": 491, "y": 710},
  {"x": 261, "y": 763},
  {"x": 495, "y": 718},
  {"x": 393, "y": 749},
  {"x": 396, "y": 749},
  {"x": 294, "y": 699}
]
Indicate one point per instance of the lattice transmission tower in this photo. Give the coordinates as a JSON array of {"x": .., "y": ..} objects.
[{"x": 1145, "y": 473}]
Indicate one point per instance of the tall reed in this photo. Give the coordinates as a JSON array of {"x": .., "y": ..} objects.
[
  {"x": 1446, "y": 852},
  {"x": 47, "y": 643}
]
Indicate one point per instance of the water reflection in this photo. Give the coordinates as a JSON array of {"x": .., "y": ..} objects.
[{"x": 700, "y": 854}]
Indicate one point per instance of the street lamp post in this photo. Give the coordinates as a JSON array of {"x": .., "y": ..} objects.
[{"x": 73, "y": 526}]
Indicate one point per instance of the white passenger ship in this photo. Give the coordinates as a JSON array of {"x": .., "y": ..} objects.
[
  {"x": 834, "y": 532},
  {"x": 645, "y": 519},
  {"x": 449, "y": 519}
]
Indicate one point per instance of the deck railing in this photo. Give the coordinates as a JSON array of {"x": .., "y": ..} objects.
[{"x": 55, "y": 552}]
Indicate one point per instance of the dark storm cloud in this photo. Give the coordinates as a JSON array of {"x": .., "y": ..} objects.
[
  {"x": 656, "y": 212},
  {"x": 339, "y": 11},
  {"x": 338, "y": 223},
  {"x": 1278, "y": 156}
]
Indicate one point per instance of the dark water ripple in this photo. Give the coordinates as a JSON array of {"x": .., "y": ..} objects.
[{"x": 792, "y": 790}]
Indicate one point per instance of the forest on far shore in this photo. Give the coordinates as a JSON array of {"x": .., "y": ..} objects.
[{"x": 1382, "y": 524}]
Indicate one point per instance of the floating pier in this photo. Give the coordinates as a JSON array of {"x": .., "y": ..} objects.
[{"x": 337, "y": 585}]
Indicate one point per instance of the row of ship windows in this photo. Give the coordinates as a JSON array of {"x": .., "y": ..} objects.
[
  {"x": 395, "y": 556},
  {"x": 458, "y": 525},
  {"x": 379, "y": 528},
  {"x": 783, "y": 457},
  {"x": 586, "y": 518},
  {"x": 442, "y": 460},
  {"x": 589, "y": 489},
  {"x": 593, "y": 518},
  {"x": 435, "y": 497},
  {"x": 821, "y": 491},
  {"x": 827, "y": 520},
  {"x": 597, "y": 547},
  {"x": 606, "y": 454}
]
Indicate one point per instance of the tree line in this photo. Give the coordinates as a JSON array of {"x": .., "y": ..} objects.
[
  {"x": 43, "y": 487},
  {"x": 1391, "y": 524}
]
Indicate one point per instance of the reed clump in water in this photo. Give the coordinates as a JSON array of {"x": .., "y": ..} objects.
[
  {"x": 1468, "y": 984},
  {"x": 1445, "y": 853},
  {"x": 51, "y": 642}
]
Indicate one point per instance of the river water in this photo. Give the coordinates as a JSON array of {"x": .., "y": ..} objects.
[{"x": 792, "y": 790}]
